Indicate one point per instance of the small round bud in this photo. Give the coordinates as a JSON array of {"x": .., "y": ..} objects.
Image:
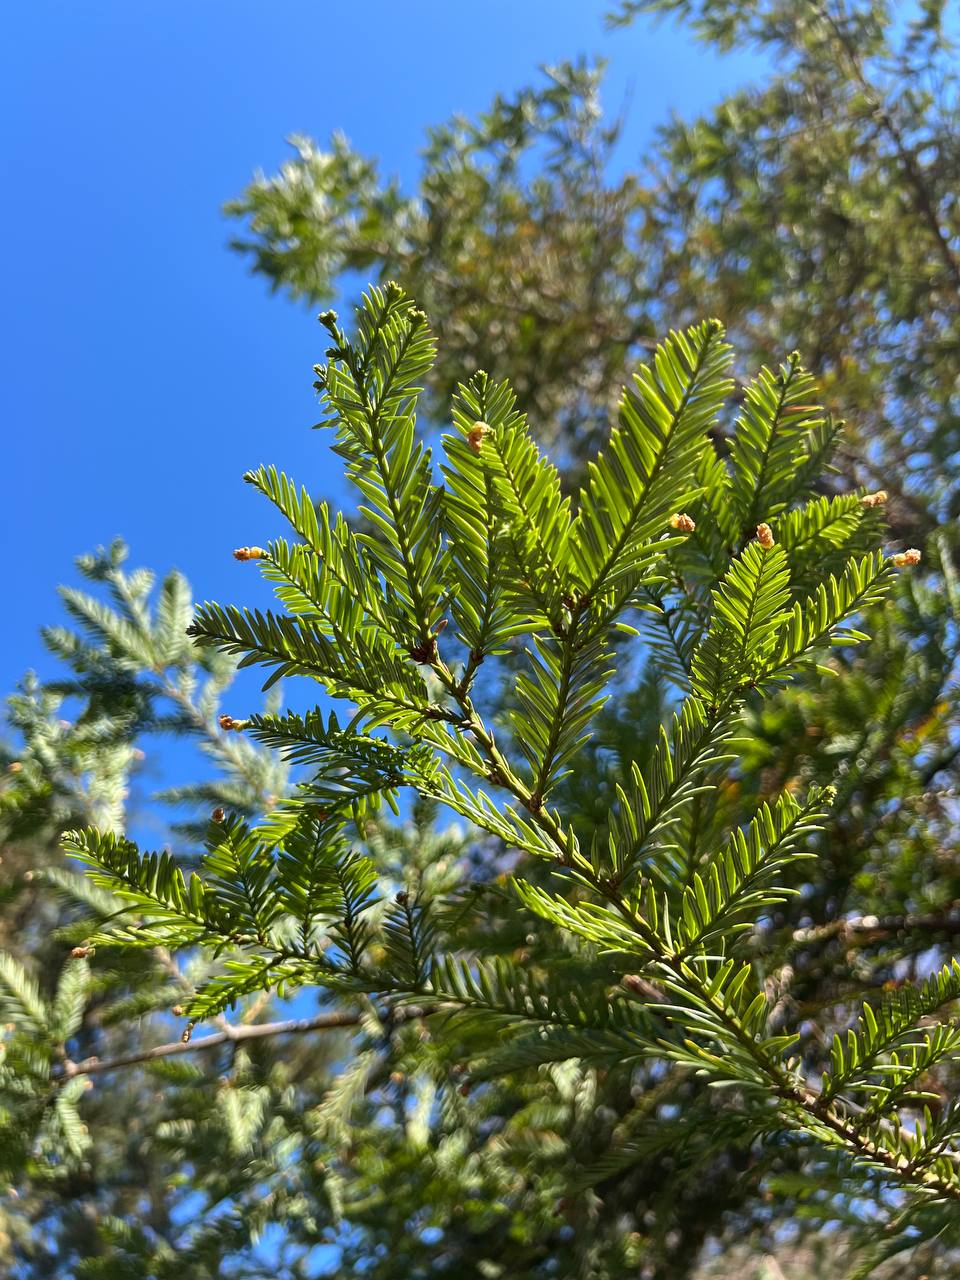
[
  {"x": 397, "y": 1077},
  {"x": 218, "y": 815},
  {"x": 402, "y": 898},
  {"x": 15, "y": 767},
  {"x": 475, "y": 435},
  {"x": 177, "y": 1010},
  {"x": 765, "y": 536},
  {"x": 80, "y": 953},
  {"x": 874, "y": 499},
  {"x": 906, "y": 558},
  {"x": 682, "y": 522},
  {"x": 249, "y": 553},
  {"x": 228, "y": 724}
]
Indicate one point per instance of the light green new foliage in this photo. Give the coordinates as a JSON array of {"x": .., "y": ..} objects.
[{"x": 573, "y": 590}]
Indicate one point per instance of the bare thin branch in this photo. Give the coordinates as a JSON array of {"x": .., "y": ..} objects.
[{"x": 229, "y": 1035}]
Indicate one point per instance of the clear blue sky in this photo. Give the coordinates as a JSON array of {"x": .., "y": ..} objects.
[{"x": 143, "y": 368}]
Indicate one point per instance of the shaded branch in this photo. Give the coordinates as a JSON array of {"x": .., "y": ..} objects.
[
  {"x": 229, "y": 1035},
  {"x": 866, "y": 928}
]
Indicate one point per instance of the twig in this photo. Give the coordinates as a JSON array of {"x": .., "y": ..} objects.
[
  {"x": 229, "y": 1035},
  {"x": 873, "y": 926}
]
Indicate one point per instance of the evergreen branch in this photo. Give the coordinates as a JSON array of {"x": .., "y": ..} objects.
[
  {"x": 476, "y": 524},
  {"x": 648, "y": 473},
  {"x": 818, "y": 621},
  {"x": 349, "y": 766},
  {"x": 369, "y": 386},
  {"x": 736, "y": 880},
  {"x": 536, "y": 518},
  {"x": 654, "y": 801},
  {"x": 895, "y": 1024},
  {"x": 498, "y": 552},
  {"x": 770, "y": 440},
  {"x": 749, "y": 609},
  {"x": 557, "y": 702},
  {"x": 358, "y": 666}
]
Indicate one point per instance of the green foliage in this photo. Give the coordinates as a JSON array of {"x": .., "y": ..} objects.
[
  {"x": 648, "y": 472},
  {"x": 672, "y": 904}
]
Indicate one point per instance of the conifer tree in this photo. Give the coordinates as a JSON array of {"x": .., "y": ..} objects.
[
  {"x": 401, "y": 1145},
  {"x": 648, "y": 948},
  {"x": 813, "y": 208}
]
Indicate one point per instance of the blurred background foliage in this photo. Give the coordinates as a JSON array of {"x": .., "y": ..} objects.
[{"x": 815, "y": 210}]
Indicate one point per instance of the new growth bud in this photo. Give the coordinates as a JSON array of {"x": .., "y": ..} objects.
[
  {"x": 906, "y": 558},
  {"x": 765, "y": 536},
  {"x": 475, "y": 435},
  {"x": 80, "y": 953},
  {"x": 228, "y": 724},
  {"x": 682, "y": 522},
  {"x": 874, "y": 499},
  {"x": 249, "y": 553},
  {"x": 218, "y": 815}
]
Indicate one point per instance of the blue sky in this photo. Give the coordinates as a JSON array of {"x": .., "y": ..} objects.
[{"x": 144, "y": 369}]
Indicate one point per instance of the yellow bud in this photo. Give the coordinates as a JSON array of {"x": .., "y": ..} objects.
[
  {"x": 765, "y": 536},
  {"x": 906, "y": 558},
  {"x": 475, "y": 435},
  {"x": 682, "y": 522},
  {"x": 227, "y": 723}
]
